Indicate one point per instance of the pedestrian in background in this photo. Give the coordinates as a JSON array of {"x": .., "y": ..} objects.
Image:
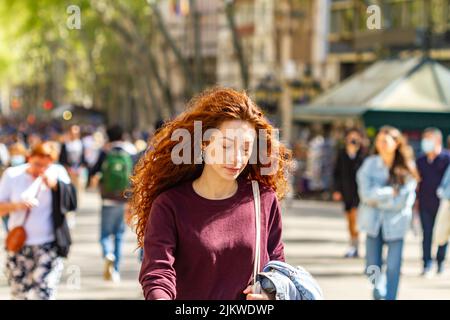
[
  {"x": 431, "y": 166},
  {"x": 386, "y": 183},
  {"x": 18, "y": 156},
  {"x": 72, "y": 156},
  {"x": 18, "y": 153},
  {"x": 349, "y": 160},
  {"x": 29, "y": 193},
  {"x": 196, "y": 219},
  {"x": 442, "y": 226},
  {"x": 93, "y": 143},
  {"x": 113, "y": 170},
  {"x": 4, "y": 156}
]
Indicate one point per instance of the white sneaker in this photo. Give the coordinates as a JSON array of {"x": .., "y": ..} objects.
[
  {"x": 428, "y": 273},
  {"x": 115, "y": 277}
]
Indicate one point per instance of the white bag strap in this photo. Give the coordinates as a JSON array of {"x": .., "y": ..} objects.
[{"x": 257, "y": 201}]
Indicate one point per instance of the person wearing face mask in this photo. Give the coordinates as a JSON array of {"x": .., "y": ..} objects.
[
  {"x": 17, "y": 157},
  {"x": 36, "y": 195},
  {"x": 4, "y": 156},
  {"x": 18, "y": 153},
  {"x": 348, "y": 162},
  {"x": 431, "y": 166}
]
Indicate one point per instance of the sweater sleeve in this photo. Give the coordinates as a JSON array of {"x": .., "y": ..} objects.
[
  {"x": 157, "y": 275},
  {"x": 275, "y": 246}
]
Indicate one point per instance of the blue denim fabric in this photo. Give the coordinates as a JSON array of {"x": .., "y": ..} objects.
[
  {"x": 288, "y": 282},
  {"x": 112, "y": 224},
  {"x": 380, "y": 208},
  {"x": 385, "y": 282}
]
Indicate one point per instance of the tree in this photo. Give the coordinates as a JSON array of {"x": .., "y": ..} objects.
[{"x": 237, "y": 44}]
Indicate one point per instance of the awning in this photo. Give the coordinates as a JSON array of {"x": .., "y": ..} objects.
[{"x": 401, "y": 85}]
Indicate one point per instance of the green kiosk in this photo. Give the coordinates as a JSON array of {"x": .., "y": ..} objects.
[{"x": 410, "y": 94}]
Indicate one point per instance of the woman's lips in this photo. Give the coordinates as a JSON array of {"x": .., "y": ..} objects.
[{"x": 232, "y": 170}]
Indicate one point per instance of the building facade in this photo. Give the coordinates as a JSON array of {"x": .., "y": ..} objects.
[
  {"x": 281, "y": 38},
  {"x": 408, "y": 27}
]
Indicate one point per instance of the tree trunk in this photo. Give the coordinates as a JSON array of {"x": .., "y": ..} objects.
[
  {"x": 198, "y": 58},
  {"x": 186, "y": 70},
  {"x": 237, "y": 44},
  {"x": 139, "y": 62}
]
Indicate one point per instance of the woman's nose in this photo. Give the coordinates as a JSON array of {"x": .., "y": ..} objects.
[{"x": 238, "y": 158}]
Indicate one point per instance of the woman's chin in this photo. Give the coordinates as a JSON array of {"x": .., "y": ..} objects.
[{"x": 229, "y": 176}]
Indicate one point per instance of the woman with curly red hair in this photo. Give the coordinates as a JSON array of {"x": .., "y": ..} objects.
[{"x": 193, "y": 202}]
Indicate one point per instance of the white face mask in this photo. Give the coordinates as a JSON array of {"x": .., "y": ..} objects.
[
  {"x": 17, "y": 160},
  {"x": 428, "y": 145}
]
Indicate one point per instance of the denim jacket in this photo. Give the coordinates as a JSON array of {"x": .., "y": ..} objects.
[
  {"x": 379, "y": 207},
  {"x": 443, "y": 192},
  {"x": 288, "y": 282}
]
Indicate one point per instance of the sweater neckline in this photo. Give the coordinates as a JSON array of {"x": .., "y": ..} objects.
[{"x": 218, "y": 202}]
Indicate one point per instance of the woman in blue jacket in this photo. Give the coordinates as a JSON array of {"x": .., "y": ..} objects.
[{"x": 386, "y": 184}]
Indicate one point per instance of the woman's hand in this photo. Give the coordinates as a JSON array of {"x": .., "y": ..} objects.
[
  {"x": 12, "y": 207},
  {"x": 50, "y": 182},
  {"x": 262, "y": 296},
  {"x": 24, "y": 205}
]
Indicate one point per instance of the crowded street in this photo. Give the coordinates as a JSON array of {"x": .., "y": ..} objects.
[
  {"x": 314, "y": 237},
  {"x": 224, "y": 150}
]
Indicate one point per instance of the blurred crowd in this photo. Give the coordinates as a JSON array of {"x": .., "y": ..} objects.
[
  {"x": 316, "y": 150},
  {"x": 78, "y": 146},
  {"x": 44, "y": 168}
]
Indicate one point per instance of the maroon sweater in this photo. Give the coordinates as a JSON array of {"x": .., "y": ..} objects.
[{"x": 200, "y": 249}]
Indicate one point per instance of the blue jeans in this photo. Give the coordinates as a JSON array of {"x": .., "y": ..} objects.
[
  {"x": 385, "y": 283},
  {"x": 112, "y": 224},
  {"x": 427, "y": 220}
]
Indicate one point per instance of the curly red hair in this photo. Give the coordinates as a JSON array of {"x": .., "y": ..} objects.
[{"x": 155, "y": 172}]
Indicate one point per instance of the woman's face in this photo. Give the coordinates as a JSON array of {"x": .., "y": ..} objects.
[
  {"x": 38, "y": 165},
  {"x": 353, "y": 139},
  {"x": 385, "y": 143},
  {"x": 230, "y": 148}
]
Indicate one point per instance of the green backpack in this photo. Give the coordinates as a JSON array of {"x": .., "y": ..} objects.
[{"x": 116, "y": 171}]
